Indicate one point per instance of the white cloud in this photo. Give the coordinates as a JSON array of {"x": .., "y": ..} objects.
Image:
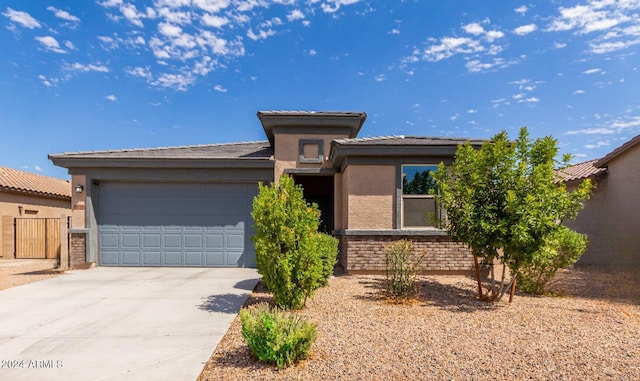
[
  {"x": 220, "y": 88},
  {"x": 380, "y": 78},
  {"x": 169, "y": 30},
  {"x": 213, "y": 6},
  {"x": 529, "y": 100},
  {"x": 214, "y": 21},
  {"x": 111, "y": 3},
  {"x": 592, "y": 71},
  {"x": 579, "y": 91},
  {"x": 476, "y": 66},
  {"x": 86, "y": 68},
  {"x": 473, "y": 28},
  {"x": 394, "y": 31},
  {"x": 142, "y": 72},
  {"x": 296, "y": 14},
  {"x": 111, "y": 97},
  {"x": 599, "y": 144},
  {"x": 312, "y": 52},
  {"x": 180, "y": 81},
  {"x": 262, "y": 34},
  {"x": 38, "y": 168},
  {"x": 50, "y": 44},
  {"x": 521, "y": 9},
  {"x": 615, "y": 126},
  {"x": 69, "y": 45},
  {"x": 559, "y": 45},
  {"x": 130, "y": 12},
  {"x": 614, "y": 24},
  {"x": 62, "y": 14},
  {"x": 525, "y": 29},
  {"x": 49, "y": 82},
  {"x": 332, "y": 6},
  {"x": 22, "y": 18},
  {"x": 472, "y": 111}
]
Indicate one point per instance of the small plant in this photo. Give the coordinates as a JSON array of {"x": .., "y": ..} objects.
[
  {"x": 561, "y": 250},
  {"x": 402, "y": 268},
  {"x": 275, "y": 336}
]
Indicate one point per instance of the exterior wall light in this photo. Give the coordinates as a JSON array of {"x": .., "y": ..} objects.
[{"x": 79, "y": 188}]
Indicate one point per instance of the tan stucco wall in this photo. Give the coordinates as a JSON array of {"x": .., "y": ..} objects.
[
  {"x": 611, "y": 218},
  {"x": 78, "y": 203},
  {"x": 287, "y": 153},
  {"x": 46, "y": 208},
  {"x": 370, "y": 192}
]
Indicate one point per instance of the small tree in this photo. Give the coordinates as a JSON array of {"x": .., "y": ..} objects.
[
  {"x": 505, "y": 202},
  {"x": 292, "y": 257}
]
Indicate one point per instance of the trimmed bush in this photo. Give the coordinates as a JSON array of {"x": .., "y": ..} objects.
[
  {"x": 275, "y": 336},
  {"x": 563, "y": 249},
  {"x": 402, "y": 268},
  {"x": 292, "y": 257}
]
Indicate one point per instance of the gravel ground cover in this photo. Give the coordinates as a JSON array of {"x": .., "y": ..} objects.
[
  {"x": 16, "y": 272},
  {"x": 589, "y": 331}
]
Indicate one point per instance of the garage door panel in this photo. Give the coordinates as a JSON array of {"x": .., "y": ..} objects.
[
  {"x": 109, "y": 240},
  {"x": 130, "y": 257},
  {"x": 151, "y": 258},
  {"x": 182, "y": 224},
  {"x": 172, "y": 258},
  {"x": 214, "y": 258},
  {"x": 109, "y": 257},
  {"x": 151, "y": 241},
  {"x": 193, "y": 258},
  {"x": 130, "y": 240},
  {"x": 172, "y": 240},
  {"x": 193, "y": 241}
]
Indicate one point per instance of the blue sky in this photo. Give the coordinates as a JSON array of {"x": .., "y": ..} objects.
[{"x": 92, "y": 75}]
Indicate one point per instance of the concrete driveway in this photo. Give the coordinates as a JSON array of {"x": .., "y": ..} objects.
[{"x": 119, "y": 323}]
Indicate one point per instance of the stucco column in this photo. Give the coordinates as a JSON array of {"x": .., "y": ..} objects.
[
  {"x": 7, "y": 249},
  {"x": 63, "y": 260}
]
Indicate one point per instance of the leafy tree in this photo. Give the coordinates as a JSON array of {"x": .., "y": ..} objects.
[
  {"x": 292, "y": 257},
  {"x": 505, "y": 202}
]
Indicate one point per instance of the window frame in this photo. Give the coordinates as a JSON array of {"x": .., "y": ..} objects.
[{"x": 439, "y": 212}]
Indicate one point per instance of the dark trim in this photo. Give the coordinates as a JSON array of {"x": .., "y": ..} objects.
[
  {"x": 176, "y": 174},
  {"x": 104, "y": 162},
  {"x": 310, "y": 171},
  {"x": 394, "y": 232},
  {"x": 310, "y": 160},
  {"x": 299, "y": 122}
]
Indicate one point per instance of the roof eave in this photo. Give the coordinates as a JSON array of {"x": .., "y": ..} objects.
[
  {"x": 272, "y": 119},
  {"x": 148, "y": 162}
]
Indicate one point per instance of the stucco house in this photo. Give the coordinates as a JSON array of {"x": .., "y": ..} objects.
[
  {"x": 611, "y": 218},
  {"x": 28, "y": 195},
  {"x": 190, "y": 205}
]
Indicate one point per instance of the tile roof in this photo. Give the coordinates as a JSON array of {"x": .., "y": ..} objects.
[
  {"x": 581, "y": 171},
  {"x": 618, "y": 151},
  {"x": 401, "y": 140},
  {"x": 242, "y": 150},
  {"x": 25, "y": 182}
]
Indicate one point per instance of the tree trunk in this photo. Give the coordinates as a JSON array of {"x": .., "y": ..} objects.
[
  {"x": 475, "y": 260},
  {"x": 513, "y": 288}
]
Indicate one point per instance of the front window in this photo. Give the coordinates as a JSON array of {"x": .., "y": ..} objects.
[{"x": 419, "y": 207}]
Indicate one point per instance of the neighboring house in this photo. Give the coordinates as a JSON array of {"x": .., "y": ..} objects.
[
  {"x": 611, "y": 217},
  {"x": 190, "y": 205},
  {"x": 28, "y": 195}
]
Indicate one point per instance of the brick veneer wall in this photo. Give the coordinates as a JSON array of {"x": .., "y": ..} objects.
[
  {"x": 77, "y": 249},
  {"x": 365, "y": 253}
]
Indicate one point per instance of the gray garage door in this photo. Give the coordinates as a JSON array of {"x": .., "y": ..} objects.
[{"x": 181, "y": 224}]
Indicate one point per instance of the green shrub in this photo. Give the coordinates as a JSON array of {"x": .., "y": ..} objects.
[
  {"x": 292, "y": 257},
  {"x": 563, "y": 249},
  {"x": 275, "y": 336},
  {"x": 402, "y": 268}
]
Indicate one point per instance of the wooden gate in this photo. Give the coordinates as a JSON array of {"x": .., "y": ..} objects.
[{"x": 37, "y": 238}]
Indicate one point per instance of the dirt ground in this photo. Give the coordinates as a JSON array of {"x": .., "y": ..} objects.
[{"x": 16, "y": 272}]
